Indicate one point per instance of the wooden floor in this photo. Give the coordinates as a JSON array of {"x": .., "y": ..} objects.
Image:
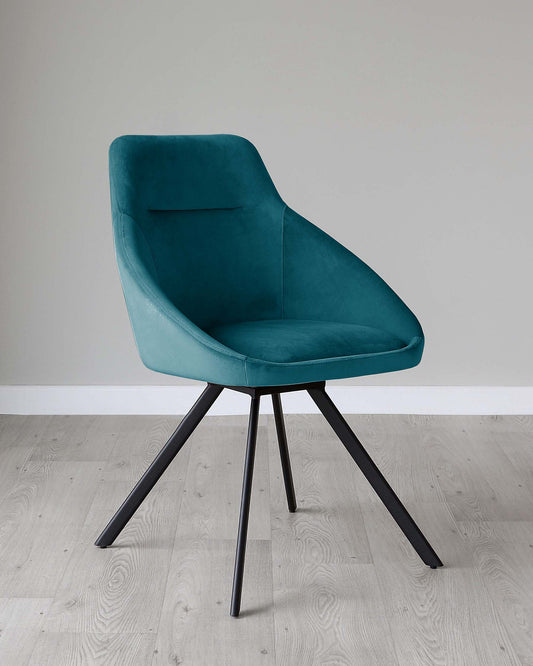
[{"x": 335, "y": 583}]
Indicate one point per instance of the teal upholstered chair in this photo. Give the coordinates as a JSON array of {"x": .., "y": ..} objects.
[{"x": 226, "y": 284}]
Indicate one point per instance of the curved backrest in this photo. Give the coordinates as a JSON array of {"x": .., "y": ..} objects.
[{"x": 209, "y": 220}]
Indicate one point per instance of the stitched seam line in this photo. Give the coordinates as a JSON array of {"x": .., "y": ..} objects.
[
  {"x": 147, "y": 245},
  {"x": 283, "y": 262},
  {"x": 191, "y": 210},
  {"x": 332, "y": 359},
  {"x": 245, "y": 371}
]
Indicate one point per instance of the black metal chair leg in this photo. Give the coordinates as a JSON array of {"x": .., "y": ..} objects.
[
  {"x": 375, "y": 477},
  {"x": 159, "y": 465},
  {"x": 245, "y": 507},
  {"x": 284, "y": 452}
]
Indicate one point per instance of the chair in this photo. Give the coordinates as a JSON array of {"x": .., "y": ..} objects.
[{"x": 226, "y": 284}]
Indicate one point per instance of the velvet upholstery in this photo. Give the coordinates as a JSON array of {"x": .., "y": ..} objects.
[
  {"x": 288, "y": 340},
  {"x": 224, "y": 283}
]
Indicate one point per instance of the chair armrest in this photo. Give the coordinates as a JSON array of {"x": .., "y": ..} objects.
[
  {"x": 167, "y": 340},
  {"x": 324, "y": 280}
]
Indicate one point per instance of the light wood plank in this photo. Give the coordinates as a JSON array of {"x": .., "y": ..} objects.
[
  {"x": 504, "y": 556},
  {"x": 518, "y": 448},
  {"x": 17, "y": 430},
  {"x": 441, "y": 617},
  {"x": 519, "y": 423},
  {"x": 327, "y": 603},
  {"x": 19, "y": 437},
  {"x": 335, "y": 583},
  {"x": 41, "y": 519},
  {"x": 477, "y": 480},
  {"x": 83, "y": 438},
  {"x": 195, "y": 627},
  {"x": 119, "y": 589},
  {"x": 329, "y": 614},
  {"x": 328, "y": 526},
  {"x": 513, "y": 497},
  {"x": 92, "y": 649},
  {"x": 138, "y": 441},
  {"x": 394, "y": 445},
  {"x": 212, "y": 494},
  {"x": 21, "y": 620},
  {"x": 12, "y": 460}
]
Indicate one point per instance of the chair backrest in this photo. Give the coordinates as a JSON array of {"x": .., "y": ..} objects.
[{"x": 211, "y": 220}]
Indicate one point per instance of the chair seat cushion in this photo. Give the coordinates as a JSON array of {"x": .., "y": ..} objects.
[{"x": 293, "y": 340}]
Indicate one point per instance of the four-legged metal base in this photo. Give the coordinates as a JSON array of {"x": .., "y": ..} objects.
[{"x": 342, "y": 429}]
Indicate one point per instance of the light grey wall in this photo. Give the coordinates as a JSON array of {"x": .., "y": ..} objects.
[{"x": 404, "y": 129}]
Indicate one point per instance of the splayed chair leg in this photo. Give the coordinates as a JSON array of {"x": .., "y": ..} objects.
[
  {"x": 375, "y": 477},
  {"x": 284, "y": 452},
  {"x": 245, "y": 508},
  {"x": 159, "y": 465}
]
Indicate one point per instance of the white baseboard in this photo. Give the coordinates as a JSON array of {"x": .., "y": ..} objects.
[{"x": 349, "y": 399}]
